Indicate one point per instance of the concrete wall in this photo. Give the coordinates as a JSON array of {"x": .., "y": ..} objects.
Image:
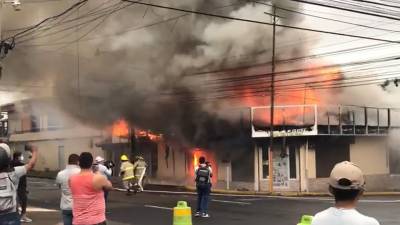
[
  {"x": 172, "y": 166},
  {"x": 371, "y": 155},
  {"x": 307, "y": 166}
]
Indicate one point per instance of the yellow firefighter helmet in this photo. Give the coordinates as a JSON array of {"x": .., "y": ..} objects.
[{"x": 124, "y": 158}]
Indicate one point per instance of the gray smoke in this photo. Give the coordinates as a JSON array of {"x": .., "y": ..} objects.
[{"x": 134, "y": 69}]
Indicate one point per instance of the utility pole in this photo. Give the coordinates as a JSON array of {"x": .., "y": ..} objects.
[{"x": 272, "y": 105}]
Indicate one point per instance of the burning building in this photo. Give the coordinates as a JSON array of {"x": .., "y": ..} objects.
[
  {"x": 201, "y": 82},
  {"x": 307, "y": 148}
]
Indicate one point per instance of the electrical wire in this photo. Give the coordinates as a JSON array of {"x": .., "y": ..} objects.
[
  {"x": 263, "y": 23},
  {"x": 46, "y": 20},
  {"x": 347, "y": 9}
]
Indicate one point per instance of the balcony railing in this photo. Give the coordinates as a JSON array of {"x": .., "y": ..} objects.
[{"x": 309, "y": 120}]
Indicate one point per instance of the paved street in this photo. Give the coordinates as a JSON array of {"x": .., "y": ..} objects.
[{"x": 156, "y": 208}]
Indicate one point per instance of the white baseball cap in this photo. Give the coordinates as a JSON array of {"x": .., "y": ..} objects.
[{"x": 99, "y": 159}]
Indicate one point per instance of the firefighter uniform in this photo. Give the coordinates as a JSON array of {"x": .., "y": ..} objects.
[{"x": 127, "y": 172}]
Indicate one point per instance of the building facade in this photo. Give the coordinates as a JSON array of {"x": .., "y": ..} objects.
[
  {"x": 308, "y": 142},
  {"x": 41, "y": 123}
]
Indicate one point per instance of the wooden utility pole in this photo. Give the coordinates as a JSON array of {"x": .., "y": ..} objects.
[{"x": 272, "y": 106}]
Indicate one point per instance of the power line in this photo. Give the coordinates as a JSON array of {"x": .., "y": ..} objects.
[
  {"x": 46, "y": 20},
  {"x": 330, "y": 19},
  {"x": 73, "y": 26},
  {"x": 129, "y": 30},
  {"x": 377, "y": 3},
  {"x": 240, "y": 84},
  {"x": 347, "y": 9},
  {"x": 289, "y": 72},
  {"x": 262, "y": 23}
]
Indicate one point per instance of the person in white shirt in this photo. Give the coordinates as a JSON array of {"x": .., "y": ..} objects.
[
  {"x": 99, "y": 167},
  {"x": 9, "y": 181},
  {"x": 63, "y": 181},
  {"x": 346, "y": 184}
]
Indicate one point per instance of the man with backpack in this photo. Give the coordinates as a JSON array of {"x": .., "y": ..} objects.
[
  {"x": 9, "y": 180},
  {"x": 203, "y": 175}
]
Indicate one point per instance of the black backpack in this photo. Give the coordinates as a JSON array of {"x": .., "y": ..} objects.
[{"x": 203, "y": 175}]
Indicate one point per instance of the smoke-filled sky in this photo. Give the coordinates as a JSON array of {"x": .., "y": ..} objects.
[{"x": 141, "y": 63}]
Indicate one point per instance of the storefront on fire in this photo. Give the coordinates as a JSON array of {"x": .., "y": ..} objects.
[{"x": 308, "y": 141}]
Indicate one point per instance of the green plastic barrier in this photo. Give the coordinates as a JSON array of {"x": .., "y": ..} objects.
[
  {"x": 182, "y": 214},
  {"x": 306, "y": 220}
]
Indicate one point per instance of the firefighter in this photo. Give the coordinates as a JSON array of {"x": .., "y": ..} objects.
[
  {"x": 140, "y": 170},
  {"x": 127, "y": 173}
]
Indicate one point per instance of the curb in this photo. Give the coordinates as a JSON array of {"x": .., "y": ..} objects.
[{"x": 288, "y": 194}]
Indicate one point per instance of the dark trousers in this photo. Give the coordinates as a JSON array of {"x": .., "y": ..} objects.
[
  {"x": 203, "y": 196},
  {"x": 67, "y": 217},
  {"x": 22, "y": 200},
  {"x": 106, "y": 195},
  {"x": 10, "y": 219}
]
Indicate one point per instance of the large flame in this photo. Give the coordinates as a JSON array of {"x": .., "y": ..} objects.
[
  {"x": 194, "y": 163},
  {"x": 120, "y": 128},
  {"x": 303, "y": 89}
]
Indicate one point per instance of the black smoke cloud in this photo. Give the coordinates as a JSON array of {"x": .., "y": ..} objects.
[{"x": 141, "y": 75}]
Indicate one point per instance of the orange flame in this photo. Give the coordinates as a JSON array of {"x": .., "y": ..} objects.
[
  {"x": 196, "y": 154},
  {"x": 120, "y": 128},
  {"x": 303, "y": 91}
]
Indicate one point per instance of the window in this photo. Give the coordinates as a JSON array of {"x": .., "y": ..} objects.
[
  {"x": 292, "y": 162},
  {"x": 394, "y": 161},
  {"x": 265, "y": 162},
  {"x": 328, "y": 153},
  {"x": 53, "y": 122},
  {"x": 61, "y": 157},
  {"x": 35, "y": 123}
]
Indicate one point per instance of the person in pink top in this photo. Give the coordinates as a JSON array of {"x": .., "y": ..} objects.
[{"x": 87, "y": 194}]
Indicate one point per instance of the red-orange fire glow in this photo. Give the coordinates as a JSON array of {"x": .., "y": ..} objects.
[
  {"x": 302, "y": 88},
  {"x": 120, "y": 128},
  {"x": 194, "y": 162}
]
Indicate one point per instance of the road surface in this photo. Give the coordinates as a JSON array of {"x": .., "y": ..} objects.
[{"x": 156, "y": 208}]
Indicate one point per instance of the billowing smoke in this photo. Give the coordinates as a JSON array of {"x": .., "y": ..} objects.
[{"x": 139, "y": 64}]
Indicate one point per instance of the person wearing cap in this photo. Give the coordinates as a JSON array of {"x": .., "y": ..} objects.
[
  {"x": 346, "y": 184},
  {"x": 127, "y": 173},
  {"x": 9, "y": 181},
  {"x": 99, "y": 167}
]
